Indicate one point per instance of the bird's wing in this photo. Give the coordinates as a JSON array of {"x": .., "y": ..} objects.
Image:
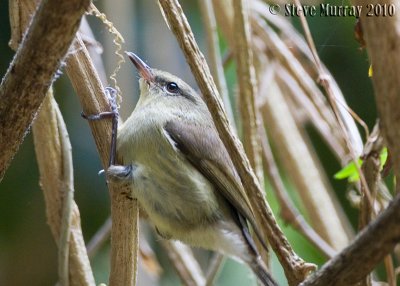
[{"x": 205, "y": 151}]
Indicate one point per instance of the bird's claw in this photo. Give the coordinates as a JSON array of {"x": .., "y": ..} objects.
[{"x": 119, "y": 173}]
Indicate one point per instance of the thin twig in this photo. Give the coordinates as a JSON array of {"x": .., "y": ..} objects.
[
  {"x": 281, "y": 51},
  {"x": 371, "y": 170},
  {"x": 68, "y": 193},
  {"x": 216, "y": 64},
  {"x": 48, "y": 147},
  {"x": 325, "y": 82},
  {"x": 302, "y": 166},
  {"x": 184, "y": 263},
  {"x": 33, "y": 69},
  {"x": 295, "y": 268},
  {"x": 285, "y": 79},
  {"x": 214, "y": 268},
  {"x": 288, "y": 211},
  {"x": 247, "y": 81},
  {"x": 99, "y": 238},
  {"x": 390, "y": 272},
  {"x": 148, "y": 258}
]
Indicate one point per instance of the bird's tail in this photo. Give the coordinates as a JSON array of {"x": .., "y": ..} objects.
[{"x": 261, "y": 272}]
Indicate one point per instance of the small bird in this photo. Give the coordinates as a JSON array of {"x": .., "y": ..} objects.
[{"x": 181, "y": 173}]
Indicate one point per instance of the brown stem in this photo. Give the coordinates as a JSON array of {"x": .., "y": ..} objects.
[
  {"x": 215, "y": 59},
  {"x": 246, "y": 75},
  {"x": 33, "y": 69},
  {"x": 124, "y": 211},
  {"x": 289, "y": 213},
  {"x": 184, "y": 263},
  {"x": 360, "y": 257},
  {"x": 295, "y": 268},
  {"x": 383, "y": 49},
  {"x": 49, "y": 143}
]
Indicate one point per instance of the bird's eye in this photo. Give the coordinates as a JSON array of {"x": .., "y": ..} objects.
[{"x": 172, "y": 87}]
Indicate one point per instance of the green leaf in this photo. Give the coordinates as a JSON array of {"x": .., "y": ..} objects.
[
  {"x": 383, "y": 156},
  {"x": 349, "y": 172}
]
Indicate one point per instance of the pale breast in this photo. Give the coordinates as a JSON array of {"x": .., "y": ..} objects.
[{"x": 174, "y": 194}]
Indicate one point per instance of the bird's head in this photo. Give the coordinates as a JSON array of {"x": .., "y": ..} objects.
[{"x": 160, "y": 84}]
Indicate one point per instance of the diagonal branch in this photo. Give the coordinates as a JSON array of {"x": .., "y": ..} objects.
[
  {"x": 33, "y": 69},
  {"x": 295, "y": 268},
  {"x": 185, "y": 264},
  {"x": 362, "y": 255}
]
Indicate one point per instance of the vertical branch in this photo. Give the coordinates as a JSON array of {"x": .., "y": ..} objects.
[
  {"x": 124, "y": 238},
  {"x": 67, "y": 190},
  {"x": 124, "y": 211},
  {"x": 246, "y": 76},
  {"x": 384, "y": 49},
  {"x": 49, "y": 144},
  {"x": 216, "y": 65},
  {"x": 371, "y": 169}
]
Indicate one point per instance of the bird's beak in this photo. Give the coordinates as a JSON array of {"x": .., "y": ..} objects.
[{"x": 144, "y": 70}]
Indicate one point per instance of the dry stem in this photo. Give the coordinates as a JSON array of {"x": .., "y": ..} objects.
[
  {"x": 216, "y": 65},
  {"x": 379, "y": 237},
  {"x": 246, "y": 76},
  {"x": 33, "y": 68},
  {"x": 288, "y": 211},
  {"x": 303, "y": 167},
  {"x": 49, "y": 142},
  {"x": 184, "y": 262},
  {"x": 362, "y": 255},
  {"x": 67, "y": 190},
  {"x": 295, "y": 268},
  {"x": 325, "y": 81},
  {"x": 214, "y": 268},
  {"x": 124, "y": 211}
]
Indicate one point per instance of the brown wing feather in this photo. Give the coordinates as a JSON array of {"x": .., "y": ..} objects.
[{"x": 207, "y": 153}]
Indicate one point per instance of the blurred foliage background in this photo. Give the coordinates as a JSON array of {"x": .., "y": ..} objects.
[{"x": 27, "y": 250}]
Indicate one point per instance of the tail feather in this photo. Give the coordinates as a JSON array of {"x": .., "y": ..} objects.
[{"x": 261, "y": 272}]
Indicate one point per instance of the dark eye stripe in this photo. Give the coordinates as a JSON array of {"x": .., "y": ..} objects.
[{"x": 163, "y": 83}]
